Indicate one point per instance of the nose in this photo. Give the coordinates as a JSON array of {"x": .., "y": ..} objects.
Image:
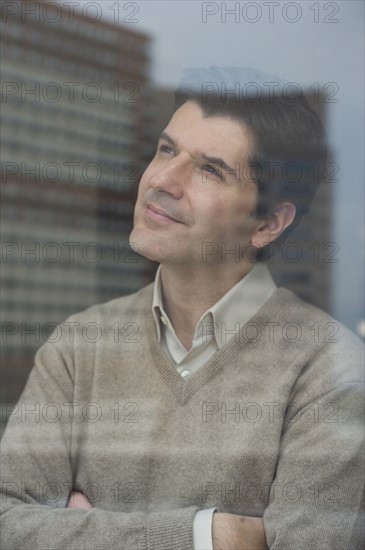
[{"x": 171, "y": 177}]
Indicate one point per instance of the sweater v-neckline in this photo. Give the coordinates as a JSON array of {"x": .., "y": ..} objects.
[{"x": 184, "y": 389}]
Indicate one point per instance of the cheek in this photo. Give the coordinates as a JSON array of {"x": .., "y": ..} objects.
[
  {"x": 235, "y": 219},
  {"x": 214, "y": 215},
  {"x": 142, "y": 187},
  {"x": 243, "y": 207},
  {"x": 143, "y": 182}
]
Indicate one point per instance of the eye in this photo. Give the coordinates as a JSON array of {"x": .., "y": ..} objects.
[
  {"x": 212, "y": 171},
  {"x": 164, "y": 148}
]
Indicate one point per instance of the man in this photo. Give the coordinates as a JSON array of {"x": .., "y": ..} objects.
[{"x": 175, "y": 435}]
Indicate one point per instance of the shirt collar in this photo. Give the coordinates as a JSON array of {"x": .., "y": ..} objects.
[
  {"x": 231, "y": 312},
  {"x": 157, "y": 306}
]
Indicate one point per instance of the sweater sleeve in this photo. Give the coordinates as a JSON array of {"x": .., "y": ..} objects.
[
  {"x": 316, "y": 496},
  {"x": 37, "y": 478}
]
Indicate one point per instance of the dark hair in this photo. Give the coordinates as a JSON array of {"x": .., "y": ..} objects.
[{"x": 289, "y": 151}]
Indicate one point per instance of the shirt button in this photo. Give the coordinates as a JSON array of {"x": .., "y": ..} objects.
[{"x": 185, "y": 373}]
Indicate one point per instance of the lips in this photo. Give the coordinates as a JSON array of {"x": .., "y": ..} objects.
[{"x": 157, "y": 213}]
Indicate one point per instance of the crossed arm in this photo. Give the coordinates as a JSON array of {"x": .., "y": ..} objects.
[{"x": 230, "y": 531}]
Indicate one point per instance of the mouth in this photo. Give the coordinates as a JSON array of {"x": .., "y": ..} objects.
[{"x": 156, "y": 213}]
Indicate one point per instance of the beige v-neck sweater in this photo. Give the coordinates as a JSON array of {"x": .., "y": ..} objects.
[{"x": 271, "y": 426}]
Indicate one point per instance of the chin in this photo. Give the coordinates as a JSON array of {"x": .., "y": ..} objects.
[{"x": 147, "y": 245}]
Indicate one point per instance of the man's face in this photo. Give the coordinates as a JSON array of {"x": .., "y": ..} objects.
[{"x": 188, "y": 196}]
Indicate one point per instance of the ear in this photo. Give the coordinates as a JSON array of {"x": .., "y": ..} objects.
[{"x": 270, "y": 229}]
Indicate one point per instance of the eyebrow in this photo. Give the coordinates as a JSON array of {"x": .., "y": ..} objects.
[{"x": 213, "y": 160}]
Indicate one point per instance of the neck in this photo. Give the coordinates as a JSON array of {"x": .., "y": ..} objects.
[{"x": 188, "y": 294}]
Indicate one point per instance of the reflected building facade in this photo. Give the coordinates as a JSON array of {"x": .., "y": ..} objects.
[{"x": 73, "y": 147}]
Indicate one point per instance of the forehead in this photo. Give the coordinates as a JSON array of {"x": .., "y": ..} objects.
[{"x": 214, "y": 135}]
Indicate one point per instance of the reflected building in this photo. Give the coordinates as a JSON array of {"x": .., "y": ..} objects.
[{"x": 73, "y": 148}]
